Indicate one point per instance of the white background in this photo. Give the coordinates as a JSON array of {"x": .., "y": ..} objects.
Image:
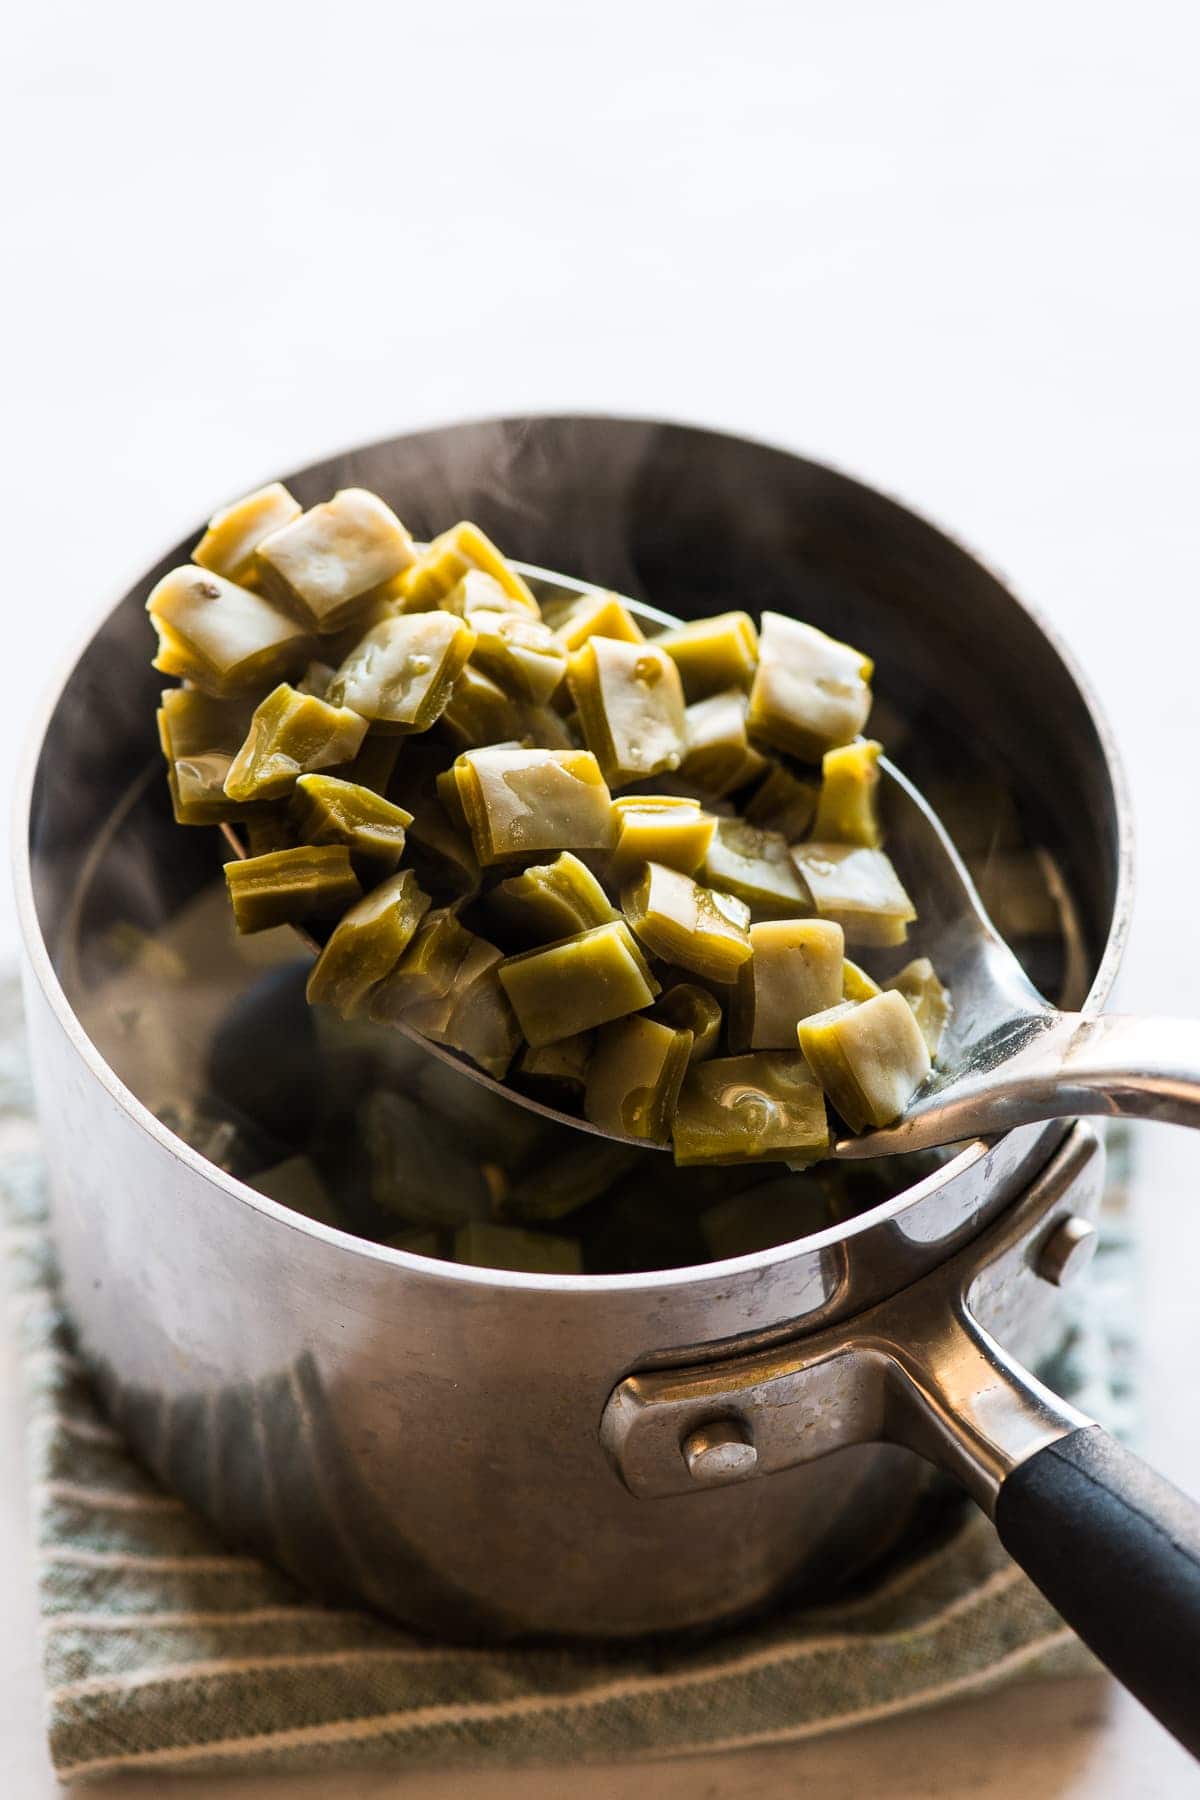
[{"x": 952, "y": 248}]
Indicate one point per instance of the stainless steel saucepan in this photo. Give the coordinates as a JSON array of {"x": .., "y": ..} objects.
[{"x": 485, "y": 1454}]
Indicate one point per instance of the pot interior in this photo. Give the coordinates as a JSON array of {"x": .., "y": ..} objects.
[{"x": 350, "y": 1123}]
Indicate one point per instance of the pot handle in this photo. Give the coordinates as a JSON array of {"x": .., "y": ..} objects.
[
  {"x": 1116, "y": 1550},
  {"x": 1113, "y": 1547}
]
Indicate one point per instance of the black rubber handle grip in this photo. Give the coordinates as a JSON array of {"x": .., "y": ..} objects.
[{"x": 1116, "y": 1550}]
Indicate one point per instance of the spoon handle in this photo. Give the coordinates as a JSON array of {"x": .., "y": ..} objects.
[{"x": 1067, "y": 1067}]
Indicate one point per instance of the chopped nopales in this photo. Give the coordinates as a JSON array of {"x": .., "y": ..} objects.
[
  {"x": 692, "y": 926},
  {"x": 857, "y": 984},
  {"x": 718, "y": 754},
  {"x": 930, "y": 1001},
  {"x": 374, "y": 765},
  {"x": 869, "y": 1057},
  {"x": 359, "y": 712},
  {"x": 597, "y": 615},
  {"x": 711, "y": 654},
  {"x": 520, "y": 802},
  {"x": 479, "y": 712},
  {"x": 688, "y": 1007},
  {"x": 517, "y": 651},
  {"x": 552, "y": 900},
  {"x": 329, "y": 810},
  {"x": 660, "y": 828},
  {"x": 402, "y": 673},
  {"x": 859, "y": 889},
  {"x": 286, "y": 887},
  {"x": 481, "y": 1023},
  {"x": 578, "y": 983},
  {"x": 634, "y": 1077},
  {"x": 234, "y": 533},
  {"x": 438, "y": 571},
  {"x": 795, "y": 969},
  {"x": 428, "y": 969},
  {"x": 784, "y": 802},
  {"x": 291, "y": 734},
  {"x": 222, "y": 637},
  {"x": 846, "y": 810},
  {"x": 316, "y": 679},
  {"x": 738, "y": 1109},
  {"x": 200, "y": 736},
  {"x": 557, "y": 1071},
  {"x": 630, "y": 704},
  {"x": 755, "y": 864},
  {"x": 810, "y": 693},
  {"x": 367, "y": 943},
  {"x": 326, "y": 563}
]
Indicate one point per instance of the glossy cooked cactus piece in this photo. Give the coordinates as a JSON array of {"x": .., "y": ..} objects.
[
  {"x": 222, "y": 637},
  {"x": 660, "y": 828},
  {"x": 630, "y": 704},
  {"x": 738, "y": 1109},
  {"x": 439, "y": 852},
  {"x": 576, "y": 1175},
  {"x": 514, "y": 647},
  {"x": 200, "y": 737},
  {"x": 577, "y": 983},
  {"x": 291, "y": 734},
  {"x": 520, "y": 802},
  {"x": 552, "y": 900},
  {"x": 718, "y": 755},
  {"x": 326, "y": 563},
  {"x": 691, "y": 926},
  {"x": 635, "y": 1076},
  {"x": 857, "y": 984},
  {"x": 755, "y": 864},
  {"x": 479, "y": 592},
  {"x": 234, "y": 533},
  {"x": 930, "y": 1001},
  {"x": 488, "y": 1246},
  {"x": 480, "y": 1023},
  {"x": 847, "y": 811},
  {"x": 711, "y": 654},
  {"x": 428, "y": 969},
  {"x": 859, "y": 889},
  {"x": 688, "y": 1007},
  {"x": 557, "y": 1072},
  {"x": 367, "y": 943},
  {"x": 784, "y": 802},
  {"x": 316, "y": 679},
  {"x": 869, "y": 1057},
  {"x": 420, "y": 1168},
  {"x": 810, "y": 693},
  {"x": 795, "y": 970},
  {"x": 596, "y": 615},
  {"x": 374, "y": 765},
  {"x": 402, "y": 672},
  {"x": 451, "y": 555},
  {"x": 479, "y": 712},
  {"x": 285, "y": 887},
  {"x": 329, "y": 810}
]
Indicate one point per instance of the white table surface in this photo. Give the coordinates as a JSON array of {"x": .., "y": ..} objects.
[{"x": 950, "y": 248}]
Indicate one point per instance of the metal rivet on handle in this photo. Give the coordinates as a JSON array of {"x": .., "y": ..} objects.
[
  {"x": 1068, "y": 1250},
  {"x": 719, "y": 1450}
]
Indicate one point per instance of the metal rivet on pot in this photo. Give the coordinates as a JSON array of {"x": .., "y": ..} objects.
[
  {"x": 1068, "y": 1250},
  {"x": 719, "y": 1450}
]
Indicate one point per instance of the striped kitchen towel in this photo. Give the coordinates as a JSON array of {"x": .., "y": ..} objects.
[{"x": 164, "y": 1652}]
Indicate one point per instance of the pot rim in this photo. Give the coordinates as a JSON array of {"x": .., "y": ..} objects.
[{"x": 432, "y": 1268}]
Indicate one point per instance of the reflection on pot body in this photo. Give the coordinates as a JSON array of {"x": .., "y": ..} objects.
[{"x": 427, "y": 1437}]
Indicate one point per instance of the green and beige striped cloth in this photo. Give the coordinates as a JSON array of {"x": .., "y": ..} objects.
[{"x": 164, "y": 1652}]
